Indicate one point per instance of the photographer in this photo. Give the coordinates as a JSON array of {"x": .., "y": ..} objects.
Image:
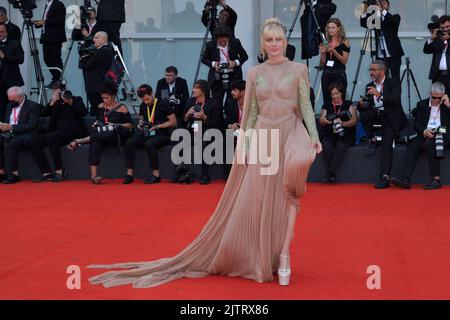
[
  {"x": 113, "y": 127},
  {"x": 338, "y": 120},
  {"x": 174, "y": 90},
  {"x": 200, "y": 109},
  {"x": 225, "y": 57},
  {"x": 388, "y": 45},
  {"x": 95, "y": 66},
  {"x": 87, "y": 29},
  {"x": 111, "y": 15},
  {"x": 11, "y": 56},
  {"x": 227, "y": 16},
  {"x": 14, "y": 32},
  {"x": 382, "y": 105},
  {"x": 156, "y": 123},
  {"x": 432, "y": 116},
  {"x": 438, "y": 46},
  {"x": 21, "y": 127},
  {"x": 66, "y": 114},
  {"x": 53, "y": 35}
]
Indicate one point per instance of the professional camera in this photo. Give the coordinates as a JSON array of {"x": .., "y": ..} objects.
[
  {"x": 85, "y": 10},
  {"x": 86, "y": 48},
  {"x": 434, "y": 24},
  {"x": 103, "y": 127},
  {"x": 211, "y": 4},
  {"x": 439, "y": 141},
  {"x": 197, "y": 108},
  {"x": 366, "y": 104},
  {"x": 25, "y": 6},
  {"x": 224, "y": 75},
  {"x": 338, "y": 128},
  {"x": 173, "y": 101},
  {"x": 146, "y": 126},
  {"x": 371, "y": 2}
]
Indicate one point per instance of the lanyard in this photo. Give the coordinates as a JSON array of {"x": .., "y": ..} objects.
[
  {"x": 107, "y": 112},
  {"x": 336, "y": 110},
  {"x": 151, "y": 117}
]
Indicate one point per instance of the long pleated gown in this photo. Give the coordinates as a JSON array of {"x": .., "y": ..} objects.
[{"x": 244, "y": 235}]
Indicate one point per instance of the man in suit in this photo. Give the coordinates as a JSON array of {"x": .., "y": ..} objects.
[
  {"x": 66, "y": 114},
  {"x": 223, "y": 50},
  {"x": 437, "y": 45},
  {"x": 11, "y": 56},
  {"x": 384, "y": 107},
  {"x": 95, "y": 66},
  {"x": 17, "y": 132},
  {"x": 227, "y": 16},
  {"x": 53, "y": 24},
  {"x": 172, "y": 88},
  {"x": 87, "y": 29},
  {"x": 388, "y": 45},
  {"x": 430, "y": 114},
  {"x": 111, "y": 15},
  {"x": 13, "y": 30}
]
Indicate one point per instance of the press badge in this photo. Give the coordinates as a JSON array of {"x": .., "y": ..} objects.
[{"x": 330, "y": 63}]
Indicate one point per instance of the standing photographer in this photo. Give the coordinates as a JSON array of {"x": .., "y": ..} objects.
[
  {"x": 14, "y": 32},
  {"x": 225, "y": 57},
  {"x": 111, "y": 15},
  {"x": 174, "y": 90},
  {"x": 227, "y": 16},
  {"x": 156, "y": 123},
  {"x": 87, "y": 29},
  {"x": 66, "y": 114},
  {"x": 382, "y": 105},
  {"x": 432, "y": 116},
  {"x": 388, "y": 44},
  {"x": 438, "y": 46},
  {"x": 338, "y": 120}
]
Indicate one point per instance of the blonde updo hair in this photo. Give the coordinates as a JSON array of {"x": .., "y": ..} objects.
[{"x": 272, "y": 27}]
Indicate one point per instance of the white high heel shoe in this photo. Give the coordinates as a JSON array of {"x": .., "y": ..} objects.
[{"x": 284, "y": 271}]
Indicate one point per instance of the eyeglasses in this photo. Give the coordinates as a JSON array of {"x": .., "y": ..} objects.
[
  {"x": 436, "y": 98},
  {"x": 372, "y": 69}
]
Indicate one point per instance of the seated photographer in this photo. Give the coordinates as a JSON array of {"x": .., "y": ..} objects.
[
  {"x": 225, "y": 57},
  {"x": 15, "y": 135},
  {"x": 388, "y": 44},
  {"x": 95, "y": 65},
  {"x": 338, "y": 120},
  {"x": 66, "y": 114},
  {"x": 438, "y": 46},
  {"x": 174, "y": 90},
  {"x": 156, "y": 121},
  {"x": 382, "y": 105},
  {"x": 227, "y": 16},
  {"x": 432, "y": 119},
  {"x": 113, "y": 127},
  {"x": 200, "y": 109}
]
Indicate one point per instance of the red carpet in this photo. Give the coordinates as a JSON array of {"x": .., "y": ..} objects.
[{"x": 341, "y": 231}]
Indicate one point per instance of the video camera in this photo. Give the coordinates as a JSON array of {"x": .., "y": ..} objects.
[
  {"x": 344, "y": 116},
  {"x": 85, "y": 10},
  {"x": 25, "y": 6},
  {"x": 223, "y": 75},
  {"x": 86, "y": 48}
]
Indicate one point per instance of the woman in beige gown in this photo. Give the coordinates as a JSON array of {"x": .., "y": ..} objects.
[{"x": 250, "y": 232}]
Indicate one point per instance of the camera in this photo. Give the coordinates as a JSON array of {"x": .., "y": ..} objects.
[
  {"x": 146, "y": 126},
  {"x": 371, "y": 2},
  {"x": 439, "y": 141},
  {"x": 86, "y": 48},
  {"x": 173, "y": 101},
  {"x": 223, "y": 75},
  {"x": 366, "y": 104},
  {"x": 85, "y": 10},
  {"x": 25, "y": 6},
  {"x": 197, "y": 108},
  {"x": 102, "y": 127},
  {"x": 338, "y": 128},
  {"x": 211, "y": 4}
]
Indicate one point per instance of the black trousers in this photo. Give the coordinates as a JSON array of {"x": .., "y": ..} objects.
[
  {"x": 334, "y": 149},
  {"x": 3, "y": 103},
  {"x": 100, "y": 141},
  {"x": 113, "y": 30},
  {"x": 54, "y": 141},
  {"x": 394, "y": 64},
  {"x": 332, "y": 77},
  {"x": 151, "y": 145},
  {"x": 413, "y": 152},
  {"x": 219, "y": 93},
  {"x": 94, "y": 100},
  {"x": 52, "y": 58},
  {"x": 371, "y": 118},
  {"x": 12, "y": 146}
]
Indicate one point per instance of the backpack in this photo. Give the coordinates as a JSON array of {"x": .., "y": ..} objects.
[{"x": 115, "y": 72}]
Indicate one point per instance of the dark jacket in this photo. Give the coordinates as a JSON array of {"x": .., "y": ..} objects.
[
  {"x": 28, "y": 122},
  {"x": 392, "y": 102},
  {"x": 55, "y": 25},
  {"x": 111, "y": 11},
  {"x": 422, "y": 117},
  {"x": 235, "y": 51},
  {"x": 95, "y": 68},
  {"x": 389, "y": 26},
  {"x": 13, "y": 31},
  {"x": 74, "y": 115},
  {"x": 231, "y": 113},
  {"x": 436, "y": 48},
  {"x": 181, "y": 92},
  {"x": 78, "y": 36},
  {"x": 9, "y": 66},
  {"x": 215, "y": 22},
  {"x": 212, "y": 109}
]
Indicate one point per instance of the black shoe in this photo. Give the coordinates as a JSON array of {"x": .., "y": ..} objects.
[
  {"x": 332, "y": 177},
  {"x": 11, "y": 179},
  {"x": 45, "y": 178},
  {"x": 371, "y": 148},
  {"x": 382, "y": 183},
  {"x": 433, "y": 185},
  {"x": 404, "y": 184},
  {"x": 128, "y": 179},
  {"x": 188, "y": 178},
  {"x": 2, "y": 177},
  {"x": 204, "y": 180},
  {"x": 152, "y": 180}
]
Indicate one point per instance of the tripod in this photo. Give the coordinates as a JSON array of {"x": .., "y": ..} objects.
[
  {"x": 410, "y": 75},
  {"x": 40, "y": 90}
]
